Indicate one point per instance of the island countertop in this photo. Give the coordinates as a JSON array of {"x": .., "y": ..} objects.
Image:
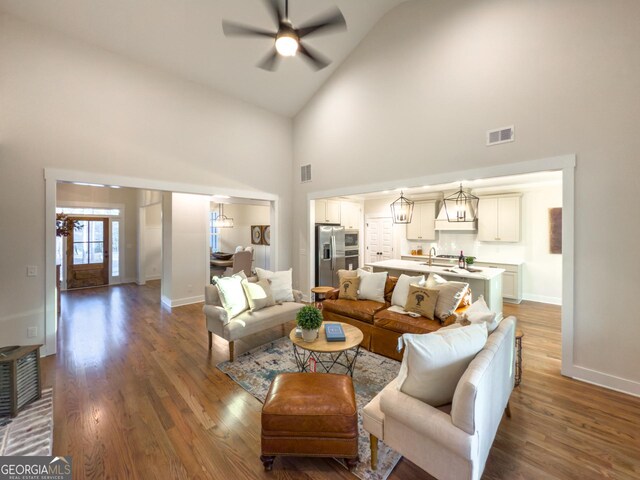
[{"x": 418, "y": 267}]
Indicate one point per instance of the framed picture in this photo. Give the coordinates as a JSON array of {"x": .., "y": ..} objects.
[{"x": 266, "y": 235}]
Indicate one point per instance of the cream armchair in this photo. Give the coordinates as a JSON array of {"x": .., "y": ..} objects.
[{"x": 455, "y": 445}]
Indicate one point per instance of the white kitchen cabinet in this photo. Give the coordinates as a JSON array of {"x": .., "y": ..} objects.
[
  {"x": 423, "y": 222},
  {"x": 511, "y": 279},
  {"x": 327, "y": 211},
  {"x": 350, "y": 215},
  {"x": 499, "y": 219}
]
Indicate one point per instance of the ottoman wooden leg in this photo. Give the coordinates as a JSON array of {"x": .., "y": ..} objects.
[
  {"x": 374, "y": 452},
  {"x": 231, "y": 351},
  {"x": 210, "y": 340},
  {"x": 267, "y": 461},
  {"x": 508, "y": 410}
]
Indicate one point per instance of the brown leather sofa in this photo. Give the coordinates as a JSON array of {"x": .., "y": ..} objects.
[{"x": 382, "y": 328}]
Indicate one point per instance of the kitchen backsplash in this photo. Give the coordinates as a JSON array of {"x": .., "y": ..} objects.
[{"x": 453, "y": 242}]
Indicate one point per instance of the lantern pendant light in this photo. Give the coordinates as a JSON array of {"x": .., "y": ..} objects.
[
  {"x": 222, "y": 221},
  {"x": 402, "y": 210},
  {"x": 461, "y": 206}
]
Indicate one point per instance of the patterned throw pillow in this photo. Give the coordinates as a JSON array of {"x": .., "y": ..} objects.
[
  {"x": 421, "y": 300},
  {"x": 349, "y": 288}
]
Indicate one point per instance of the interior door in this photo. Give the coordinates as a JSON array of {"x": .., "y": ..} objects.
[
  {"x": 88, "y": 253},
  {"x": 379, "y": 239}
]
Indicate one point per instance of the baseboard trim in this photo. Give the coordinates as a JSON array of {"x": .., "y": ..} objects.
[
  {"x": 179, "y": 302},
  {"x": 605, "y": 380},
  {"x": 542, "y": 299},
  {"x": 153, "y": 277}
]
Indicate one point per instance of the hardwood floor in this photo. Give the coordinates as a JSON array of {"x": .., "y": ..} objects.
[{"x": 137, "y": 395}]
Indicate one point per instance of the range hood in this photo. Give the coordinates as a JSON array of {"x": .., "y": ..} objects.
[{"x": 442, "y": 223}]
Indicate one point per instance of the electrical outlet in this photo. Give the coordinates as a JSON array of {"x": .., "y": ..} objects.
[
  {"x": 32, "y": 271},
  {"x": 32, "y": 332}
]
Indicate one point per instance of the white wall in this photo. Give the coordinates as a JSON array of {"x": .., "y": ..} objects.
[
  {"x": 79, "y": 195},
  {"x": 243, "y": 217},
  {"x": 418, "y": 94},
  {"x": 186, "y": 271},
  {"x": 152, "y": 242},
  {"x": 70, "y": 106}
]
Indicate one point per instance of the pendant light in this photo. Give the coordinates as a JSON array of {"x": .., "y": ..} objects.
[
  {"x": 402, "y": 210},
  {"x": 461, "y": 206},
  {"x": 222, "y": 221}
]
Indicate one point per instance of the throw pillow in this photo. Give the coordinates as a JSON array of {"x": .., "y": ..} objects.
[
  {"x": 342, "y": 274},
  {"x": 434, "y": 362},
  {"x": 401, "y": 290},
  {"x": 281, "y": 284},
  {"x": 259, "y": 294},
  {"x": 451, "y": 294},
  {"x": 421, "y": 300},
  {"x": 479, "y": 312},
  {"x": 349, "y": 288},
  {"x": 372, "y": 285},
  {"x": 232, "y": 295}
]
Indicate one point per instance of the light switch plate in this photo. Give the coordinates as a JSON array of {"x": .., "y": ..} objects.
[
  {"x": 32, "y": 332},
  {"x": 32, "y": 271}
]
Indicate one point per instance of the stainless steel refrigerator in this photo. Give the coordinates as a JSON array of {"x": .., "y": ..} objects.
[{"x": 329, "y": 254}]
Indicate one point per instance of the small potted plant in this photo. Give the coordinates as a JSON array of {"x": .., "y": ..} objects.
[
  {"x": 309, "y": 319},
  {"x": 470, "y": 260}
]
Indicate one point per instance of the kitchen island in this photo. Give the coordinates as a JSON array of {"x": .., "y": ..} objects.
[{"x": 483, "y": 281}]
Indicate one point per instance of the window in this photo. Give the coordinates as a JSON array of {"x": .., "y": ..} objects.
[
  {"x": 110, "y": 212},
  {"x": 115, "y": 248},
  {"x": 213, "y": 232},
  {"x": 88, "y": 243}
]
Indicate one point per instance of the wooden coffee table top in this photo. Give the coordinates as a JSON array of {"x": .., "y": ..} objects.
[{"x": 352, "y": 334}]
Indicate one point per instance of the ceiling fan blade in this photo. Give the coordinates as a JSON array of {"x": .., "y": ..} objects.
[
  {"x": 275, "y": 9},
  {"x": 231, "y": 29},
  {"x": 316, "y": 60},
  {"x": 270, "y": 62},
  {"x": 332, "y": 20}
]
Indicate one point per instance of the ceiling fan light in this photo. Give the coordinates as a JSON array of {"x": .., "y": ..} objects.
[{"x": 287, "y": 45}]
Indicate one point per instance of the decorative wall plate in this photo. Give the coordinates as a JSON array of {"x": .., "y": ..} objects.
[
  {"x": 266, "y": 235},
  {"x": 256, "y": 234}
]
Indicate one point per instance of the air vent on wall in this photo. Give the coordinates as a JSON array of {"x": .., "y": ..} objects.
[
  {"x": 305, "y": 173},
  {"x": 500, "y": 135}
]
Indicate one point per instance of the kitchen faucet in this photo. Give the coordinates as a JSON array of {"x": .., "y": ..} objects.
[{"x": 433, "y": 249}]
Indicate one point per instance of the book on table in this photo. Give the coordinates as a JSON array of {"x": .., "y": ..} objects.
[{"x": 334, "y": 332}]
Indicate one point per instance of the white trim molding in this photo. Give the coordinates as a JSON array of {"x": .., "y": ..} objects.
[{"x": 179, "y": 302}]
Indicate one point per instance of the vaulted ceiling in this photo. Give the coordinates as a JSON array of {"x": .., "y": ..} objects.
[{"x": 185, "y": 37}]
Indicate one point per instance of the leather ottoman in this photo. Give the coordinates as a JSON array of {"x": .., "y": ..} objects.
[{"x": 310, "y": 414}]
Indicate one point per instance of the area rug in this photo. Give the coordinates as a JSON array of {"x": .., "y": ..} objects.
[
  {"x": 255, "y": 370},
  {"x": 31, "y": 431}
]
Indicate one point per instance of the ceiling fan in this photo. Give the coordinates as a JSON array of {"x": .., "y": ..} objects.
[{"x": 287, "y": 39}]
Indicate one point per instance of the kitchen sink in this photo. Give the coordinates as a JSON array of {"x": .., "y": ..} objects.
[{"x": 446, "y": 265}]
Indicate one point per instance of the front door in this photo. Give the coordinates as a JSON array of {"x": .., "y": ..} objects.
[{"x": 88, "y": 253}]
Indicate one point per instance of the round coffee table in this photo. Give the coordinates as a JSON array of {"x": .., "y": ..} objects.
[{"x": 328, "y": 354}]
